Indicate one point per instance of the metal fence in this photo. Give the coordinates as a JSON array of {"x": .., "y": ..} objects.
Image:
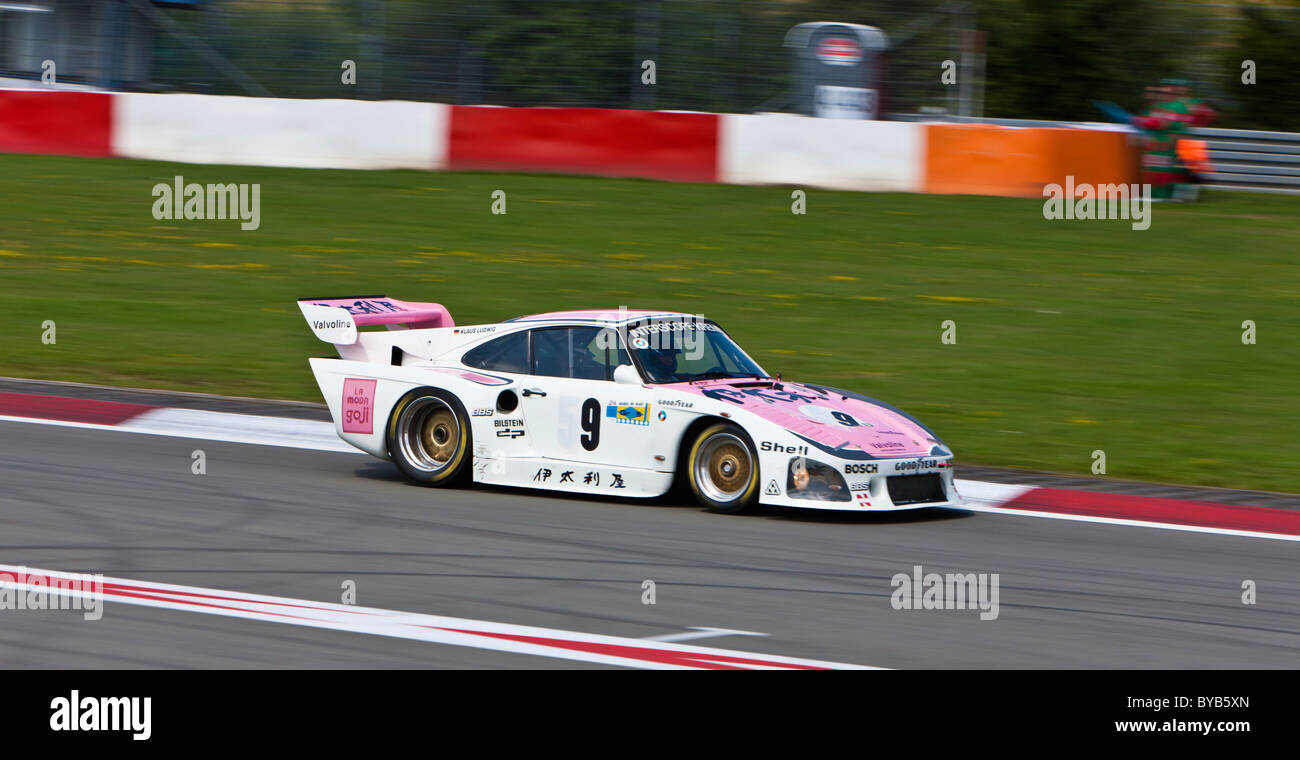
[
  {"x": 1267, "y": 162},
  {"x": 710, "y": 55}
]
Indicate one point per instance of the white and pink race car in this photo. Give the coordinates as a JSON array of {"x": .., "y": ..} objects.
[{"x": 611, "y": 402}]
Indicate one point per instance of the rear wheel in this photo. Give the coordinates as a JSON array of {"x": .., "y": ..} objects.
[
  {"x": 429, "y": 437},
  {"x": 723, "y": 469}
]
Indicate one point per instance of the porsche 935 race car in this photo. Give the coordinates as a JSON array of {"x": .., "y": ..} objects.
[{"x": 611, "y": 402}]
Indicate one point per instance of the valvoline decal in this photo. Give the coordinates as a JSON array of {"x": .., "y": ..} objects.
[{"x": 358, "y": 405}]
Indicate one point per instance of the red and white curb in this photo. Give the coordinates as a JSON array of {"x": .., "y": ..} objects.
[
  {"x": 995, "y": 498},
  {"x": 478, "y": 634},
  {"x": 169, "y": 421},
  {"x": 1136, "y": 511}
]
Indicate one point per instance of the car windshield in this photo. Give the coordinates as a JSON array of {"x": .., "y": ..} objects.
[{"x": 678, "y": 349}]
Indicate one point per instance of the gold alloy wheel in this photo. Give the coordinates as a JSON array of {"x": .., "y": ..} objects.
[
  {"x": 723, "y": 467},
  {"x": 429, "y": 434},
  {"x": 439, "y": 434}
]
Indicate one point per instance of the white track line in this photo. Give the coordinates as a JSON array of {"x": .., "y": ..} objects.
[
  {"x": 478, "y": 634},
  {"x": 978, "y": 492},
  {"x": 700, "y": 632},
  {"x": 219, "y": 426},
  {"x": 240, "y": 428},
  {"x": 993, "y": 510}
]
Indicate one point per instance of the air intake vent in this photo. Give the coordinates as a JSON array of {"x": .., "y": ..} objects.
[{"x": 915, "y": 489}]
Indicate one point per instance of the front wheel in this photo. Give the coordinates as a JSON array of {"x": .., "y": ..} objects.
[
  {"x": 723, "y": 469},
  {"x": 429, "y": 437}
]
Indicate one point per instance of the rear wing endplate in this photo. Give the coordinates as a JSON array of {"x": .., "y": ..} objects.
[{"x": 335, "y": 320}]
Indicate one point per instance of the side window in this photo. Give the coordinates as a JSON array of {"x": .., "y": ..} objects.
[
  {"x": 604, "y": 351},
  {"x": 584, "y": 353},
  {"x": 509, "y": 353},
  {"x": 551, "y": 352}
]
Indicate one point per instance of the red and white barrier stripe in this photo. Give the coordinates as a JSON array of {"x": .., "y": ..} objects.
[
  {"x": 311, "y": 134},
  {"x": 655, "y": 144},
  {"x": 841, "y": 154},
  {"x": 57, "y": 123},
  {"x": 357, "y": 134},
  {"x": 998, "y": 498}
]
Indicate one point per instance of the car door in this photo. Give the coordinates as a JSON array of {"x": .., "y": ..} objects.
[
  {"x": 573, "y": 408},
  {"x": 497, "y": 416}
]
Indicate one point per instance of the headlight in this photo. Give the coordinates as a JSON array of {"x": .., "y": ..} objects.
[{"x": 810, "y": 479}]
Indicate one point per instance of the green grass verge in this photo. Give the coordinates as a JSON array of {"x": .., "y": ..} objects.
[{"x": 1071, "y": 336}]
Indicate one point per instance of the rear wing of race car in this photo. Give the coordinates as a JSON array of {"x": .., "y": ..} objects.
[{"x": 335, "y": 320}]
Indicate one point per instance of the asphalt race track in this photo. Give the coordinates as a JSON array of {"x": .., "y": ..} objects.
[{"x": 298, "y": 523}]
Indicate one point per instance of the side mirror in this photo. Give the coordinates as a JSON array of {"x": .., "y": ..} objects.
[{"x": 627, "y": 375}]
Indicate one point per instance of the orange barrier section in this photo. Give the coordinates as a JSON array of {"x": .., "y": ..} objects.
[{"x": 986, "y": 159}]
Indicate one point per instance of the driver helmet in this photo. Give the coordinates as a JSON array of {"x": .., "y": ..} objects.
[{"x": 662, "y": 360}]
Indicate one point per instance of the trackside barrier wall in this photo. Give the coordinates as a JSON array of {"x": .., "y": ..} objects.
[
  {"x": 760, "y": 149},
  {"x": 312, "y": 134},
  {"x": 843, "y": 154},
  {"x": 987, "y": 159},
  {"x": 62, "y": 123},
  {"x": 655, "y": 144},
  {"x": 1242, "y": 159}
]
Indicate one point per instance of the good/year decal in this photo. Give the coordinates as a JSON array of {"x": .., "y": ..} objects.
[{"x": 358, "y": 405}]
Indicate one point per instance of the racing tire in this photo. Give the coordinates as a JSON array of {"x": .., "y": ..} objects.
[
  {"x": 429, "y": 438},
  {"x": 722, "y": 468}
]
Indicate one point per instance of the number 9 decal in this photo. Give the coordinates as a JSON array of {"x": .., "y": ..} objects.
[
  {"x": 845, "y": 419},
  {"x": 590, "y": 439}
]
